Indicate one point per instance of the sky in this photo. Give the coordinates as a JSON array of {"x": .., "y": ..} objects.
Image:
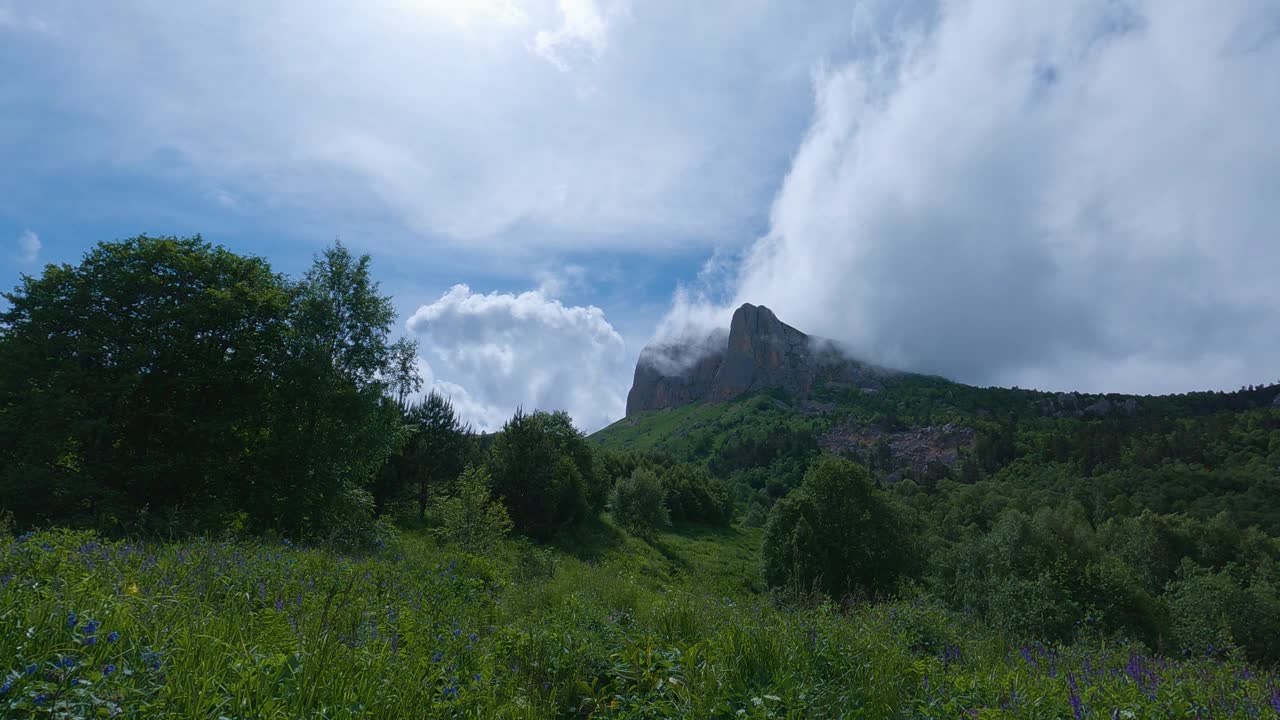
[{"x": 1078, "y": 195}]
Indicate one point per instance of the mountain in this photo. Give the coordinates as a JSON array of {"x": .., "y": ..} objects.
[
  {"x": 759, "y": 353},
  {"x": 763, "y": 397}
]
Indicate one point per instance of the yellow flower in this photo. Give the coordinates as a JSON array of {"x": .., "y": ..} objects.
[{"x": 131, "y": 588}]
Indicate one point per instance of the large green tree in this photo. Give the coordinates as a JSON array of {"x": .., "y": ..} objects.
[
  {"x": 169, "y": 384},
  {"x": 137, "y": 385},
  {"x": 838, "y": 534},
  {"x": 544, "y": 470}
]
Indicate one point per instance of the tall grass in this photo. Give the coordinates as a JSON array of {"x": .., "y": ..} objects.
[{"x": 624, "y": 629}]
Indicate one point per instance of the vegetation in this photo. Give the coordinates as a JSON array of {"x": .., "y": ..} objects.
[
  {"x": 234, "y": 503},
  {"x": 838, "y": 535},
  {"x": 639, "y": 503}
]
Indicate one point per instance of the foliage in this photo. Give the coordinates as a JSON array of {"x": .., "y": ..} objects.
[
  {"x": 471, "y": 517},
  {"x": 837, "y": 534},
  {"x": 544, "y": 470},
  {"x": 165, "y": 384},
  {"x": 693, "y": 495},
  {"x": 638, "y": 503},
  {"x": 438, "y": 445}
]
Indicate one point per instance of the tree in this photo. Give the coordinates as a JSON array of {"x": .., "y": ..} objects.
[
  {"x": 544, "y": 469},
  {"x": 470, "y": 516},
  {"x": 336, "y": 425},
  {"x": 169, "y": 384},
  {"x": 638, "y": 503},
  {"x": 693, "y": 495},
  {"x": 836, "y": 533},
  {"x": 142, "y": 379}
]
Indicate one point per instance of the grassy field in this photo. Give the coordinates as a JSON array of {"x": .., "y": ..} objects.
[{"x": 602, "y": 625}]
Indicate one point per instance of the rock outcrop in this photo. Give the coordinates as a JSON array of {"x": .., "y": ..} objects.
[{"x": 760, "y": 352}]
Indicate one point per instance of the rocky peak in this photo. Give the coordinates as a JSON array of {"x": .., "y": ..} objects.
[{"x": 760, "y": 352}]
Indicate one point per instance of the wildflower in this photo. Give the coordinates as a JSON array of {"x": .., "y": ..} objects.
[
  {"x": 40, "y": 699},
  {"x": 113, "y": 636},
  {"x": 132, "y": 588},
  {"x": 8, "y": 683},
  {"x": 1077, "y": 707},
  {"x": 472, "y": 637},
  {"x": 451, "y": 691},
  {"x": 31, "y": 669},
  {"x": 437, "y": 656},
  {"x": 90, "y": 640},
  {"x": 68, "y": 662},
  {"x": 91, "y": 627},
  {"x": 72, "y": 619},
  {"x": 477, "y": 677},
  {"x": 107, "y": 670}
]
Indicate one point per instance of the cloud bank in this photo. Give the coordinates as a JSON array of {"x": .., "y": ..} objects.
[
  {"x": 1071, "y": 195},
  {"x": 492, "y": 352}
]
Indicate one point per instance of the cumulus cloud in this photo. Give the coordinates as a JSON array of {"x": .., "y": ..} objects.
[
  {"x": 493, "y": 352},
  {"x": 28, "y": 247},
  {"x": 1064, "y": 195}
]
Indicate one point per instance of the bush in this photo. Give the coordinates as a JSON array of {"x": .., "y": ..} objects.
[
  {"x": 836, "y": 534},
  {"x": 638, "y": 503},
  {"x": 472, "y": 518},
  {"x": 694, "y": 496}
]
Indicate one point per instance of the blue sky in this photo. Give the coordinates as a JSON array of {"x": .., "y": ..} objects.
[{"x": 1077, "y": 196}]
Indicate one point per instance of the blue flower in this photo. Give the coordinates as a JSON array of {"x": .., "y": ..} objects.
[
  {"x": 477, "y": 677},
  {"x": 471, "y": 637},
  {"x": 72, "y": 619},
  {"x": 108, "y": 669},
  {"x": 31, "y": 669},
  {"x": 451, "y": 691},
  {"x": 437, "y": 656},
  {"x": 113, "y": 636},
  {"x": 40, "y": 699},
  {"x": 68, "y": 662},
  {"x": 91, "y": 640},
  {"x": 91, "y": 627},
  {"x": 8, "y": 683}
]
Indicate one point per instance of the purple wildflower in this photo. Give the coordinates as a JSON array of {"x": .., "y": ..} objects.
[{"x": 1077, "y": 707}]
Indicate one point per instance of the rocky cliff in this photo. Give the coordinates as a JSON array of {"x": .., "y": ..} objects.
[{"x": 759, "y": 352}]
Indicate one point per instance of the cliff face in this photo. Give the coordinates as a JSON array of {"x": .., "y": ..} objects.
[{"x": 760, "y": 352}]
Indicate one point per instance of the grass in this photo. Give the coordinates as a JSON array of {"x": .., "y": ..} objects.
[{"x": 602, "y": 625}]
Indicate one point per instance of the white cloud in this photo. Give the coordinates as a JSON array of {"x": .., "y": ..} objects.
[
  {"x": 583, "y": 31},
  {"x": 28, "y": 247},
  {"x": 433, "y": 122},
  {"x": 493, "y": 352},
  {"x": 1062, "y": 195}
]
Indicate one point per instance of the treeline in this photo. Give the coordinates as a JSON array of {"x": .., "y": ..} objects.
[{"x": 167, "y": 385}]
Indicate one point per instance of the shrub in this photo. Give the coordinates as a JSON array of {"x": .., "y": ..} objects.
[
  {"x": 472, "y": 518},
  {"x": 638, "y": 503},
  {"x": 836, "y": 534},
  {"x": 694, "y": 496}
]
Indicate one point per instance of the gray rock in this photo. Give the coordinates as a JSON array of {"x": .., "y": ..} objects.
[
  {"x": 760, "y": 352},
  {"x": 1276, "y": 402}
]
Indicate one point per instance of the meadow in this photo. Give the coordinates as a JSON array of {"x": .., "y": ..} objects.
[{"x": 598, "y": 625}]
